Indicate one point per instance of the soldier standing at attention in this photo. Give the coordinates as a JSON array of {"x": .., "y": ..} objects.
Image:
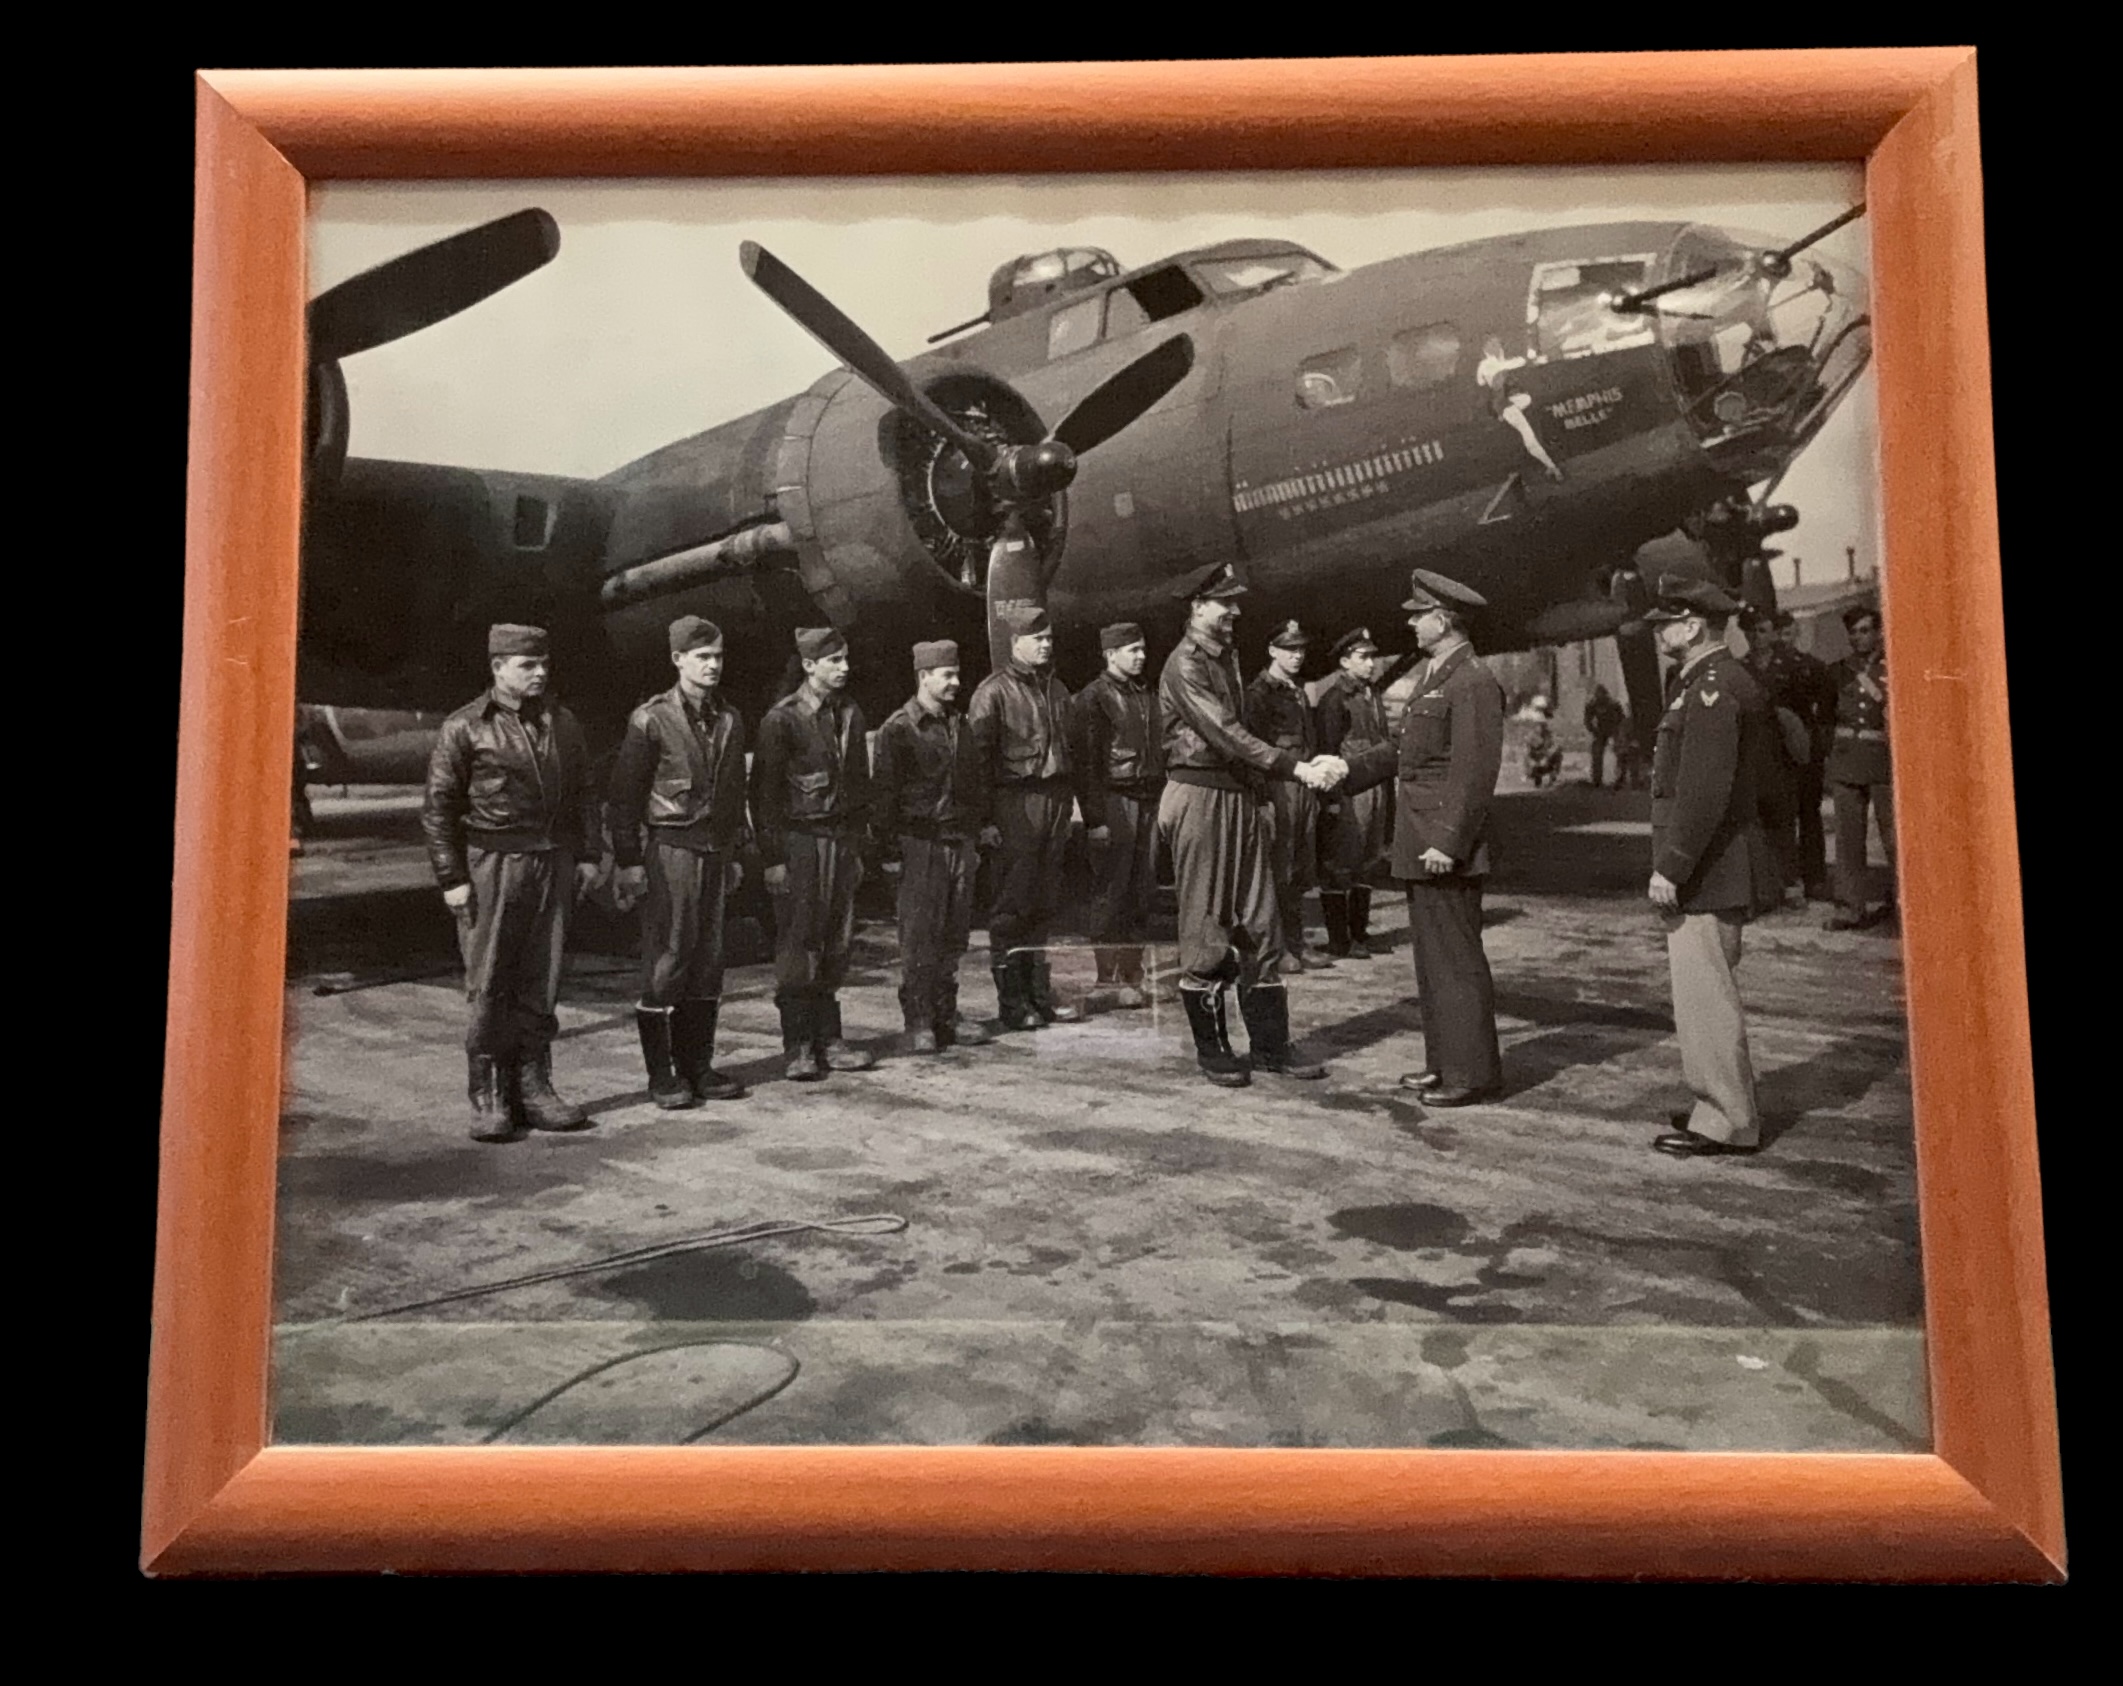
[
  {"x": 1020, "y": 722},
  {"x": 1859, "y": 768},
  {"x": 511, "y": 824},
  {"x": 810, "y": 800},
  {"x": 1278, "y": 712},
  {"x": 1712, "y": 866},
  {"x": 1216, "y": 818},
  {"x": 1450, "y": 755},
  {"x": 679, "y": 776},
  {"x": 926, "y": 785},
  {"x": 1355, "y": 831},
  {"x": 1120, "y": 761}
]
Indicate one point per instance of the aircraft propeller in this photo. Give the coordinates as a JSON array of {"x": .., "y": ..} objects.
[
  {"x": 1017, "y": 477},
  {"x": 410, "y": 292}
]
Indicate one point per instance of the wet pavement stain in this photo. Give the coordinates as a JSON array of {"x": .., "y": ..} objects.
[
  {"x": 714, "y": 1288},
  {"x": 1450, "y": 1301},
  {"x": 354, "y": 1177},
  {"x": 1446, "y": 1348},
  {"x": 1406, "y": 1228}
]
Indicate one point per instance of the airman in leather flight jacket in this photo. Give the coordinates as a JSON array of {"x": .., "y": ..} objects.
[{"x": 488, "y": 789}]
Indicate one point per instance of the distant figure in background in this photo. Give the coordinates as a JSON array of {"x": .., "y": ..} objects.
[
  {"x": 1859, "y": 770},
  {"x": 1807, "y": 689},
  {"x": 1278, "y": 712},
  {"x": 1120, "y": 769},
  {"x": 1544, "y": 756},
  {"x": 1604, "y": 718},
  {"x": 1356, "y": 832},
  {"x": 510, "y": 818}
]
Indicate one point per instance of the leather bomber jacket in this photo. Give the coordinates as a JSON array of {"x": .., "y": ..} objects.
[
  {"x": 489, "y": 789},
  {"x": 1206, "y": 740},
  {"x": 1020, "y": 721},
  {"x": 684, "y": 782}
]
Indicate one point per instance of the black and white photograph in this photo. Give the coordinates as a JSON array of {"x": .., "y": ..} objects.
[{"x": 1158, "y": 810}]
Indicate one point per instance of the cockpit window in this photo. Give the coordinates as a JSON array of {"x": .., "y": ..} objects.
[
  {"x": 1328, "y": 380},
  {"x": 1245, "y": 275},
  {"x": 1568, "y": 314}
]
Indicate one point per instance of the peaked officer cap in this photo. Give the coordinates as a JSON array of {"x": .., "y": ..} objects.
[
  {"x": 1119, "y": 635},
  {"x": 692, "y": 632},
  {"x": 1427, "y": 590},
  {"x": 1216, "y": 581},
  {"x": 815, "y": 642},
  {"x": 505, "y": 639},
  {"x": 937, "y": 652},
  {"x": 1682, "y": 595},
  {"x": 1289, "y": 636},
  {"x": 1350, "y": 643},
  {"x": 1026, "y": 619}
]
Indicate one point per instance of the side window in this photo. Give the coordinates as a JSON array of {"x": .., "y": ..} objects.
[
  {"x": 1074, "y": 326},
  {"x": 1124, "y": 313},
  {"x": 1328, "y": 379},
  {"x": 1423, "y": 357}
]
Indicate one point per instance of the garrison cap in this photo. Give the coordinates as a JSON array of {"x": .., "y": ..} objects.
[
  {"x": 1026, "y": 620},
  {"x": 1354, "y": 643},
  {"x": 506, "y": 639},
  {"x": 692, "y": 632},
  {"x": 816, "y": 642},
  {"x": 1119, "y": 635},
  {"x": 1216, "y": 580},
  {"x": 1860, "y": 612},
  {"x": 936, "y": 652},
  {"x": 1289, "y": 636},
  {"x": 1682, "y": 595},
  {"x": 1427, "y": 590}
]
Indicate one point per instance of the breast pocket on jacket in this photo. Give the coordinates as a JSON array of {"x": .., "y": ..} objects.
[{"x": 809, "y": 792}]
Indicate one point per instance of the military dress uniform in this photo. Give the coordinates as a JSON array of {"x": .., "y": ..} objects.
[
  {"x": 810, "y": 805},
  {"x": 1217, "y": 821},
  {"x": 675, "y": 806},
  {"x": 927, "y": 786},
  {"x": 1355, "y": 831},
  {"x": 1859, "y": 774},
  {"x": 1714, "y": 746},
  {"x": 1019, "y": 716},
  {"x": 1448, "y": 760},
  {"x": 1120, "y": 763},
  {"x": 510, "y": 809},
  {"x": 1278, "y": 712}
]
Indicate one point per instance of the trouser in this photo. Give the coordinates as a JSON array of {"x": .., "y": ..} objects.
[
  {"x": 1034, "y": 822},
  {"x": 1354, "y": 837},
  {"x": 1229, "y": 925},
  {"x": 1599, "y": 762},
  {"x": 1702, "y": 950},
  {"x": 681, "y": 926},
  {"x": 1294, "y": 857},
  {"x": 935, "y": 914},
  {"x": 814, "y": 916},
  {"x": 1125, "y": 884},
  {"x": 1851, "y": 802},
  {"x": 513, "y": 941},
  {"x": 1779, "y": 810},
  {"x": 1453, "y": 986},
  {"x": 1813, "y": 848}
]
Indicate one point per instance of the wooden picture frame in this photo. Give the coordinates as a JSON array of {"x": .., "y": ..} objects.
[{"x": 1985, "y": 1505}]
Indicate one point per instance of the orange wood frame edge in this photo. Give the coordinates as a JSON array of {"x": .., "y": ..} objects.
[{"x": 1986, "y": 1506}]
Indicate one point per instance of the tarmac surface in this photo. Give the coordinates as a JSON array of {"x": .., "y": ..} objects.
[{"x": 1068, "y": 1237}]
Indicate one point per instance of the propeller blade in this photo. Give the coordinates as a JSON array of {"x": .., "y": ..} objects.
[
  {"x": 429, "y": 285},
  {"x": 1819, "y": 234},
  {"x": 1121, "y": 397},
  {"x": 1014, "y": 570},
  {"x": 819, "y": 317}
]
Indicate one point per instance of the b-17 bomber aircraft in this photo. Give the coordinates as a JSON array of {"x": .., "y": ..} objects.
[{"x": 1524, "y": 413}]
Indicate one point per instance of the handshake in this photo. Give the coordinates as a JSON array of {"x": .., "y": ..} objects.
[{"x": 1322, "y": 772}]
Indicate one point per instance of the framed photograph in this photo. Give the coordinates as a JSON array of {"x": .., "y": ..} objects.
[{"x": 1241, "y": 818}]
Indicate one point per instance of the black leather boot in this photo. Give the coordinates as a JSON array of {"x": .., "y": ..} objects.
[
  {"x": 694, "y": 1025},
  {"x": 951, "y": 1030},
  {"x": 1334, "y": 909},
  {"x": 542, "y": 1108},
  {"x": 1212, "y": 1038},
  {"x": 493, "y": 1103},
  {"x": 667, "y": 1087},
  {"x": 1012, "y": 1005},
  {"x": 1042, "y": 992},
  {"x": 1361, "y": 947},
  {"x": 1267, "y": 1014},
  {"x": 797, "y": 1043},
  {"x": 833, "y": 1046}
]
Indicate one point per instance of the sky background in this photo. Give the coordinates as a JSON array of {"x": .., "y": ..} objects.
[{"x": 644, "y": 329}]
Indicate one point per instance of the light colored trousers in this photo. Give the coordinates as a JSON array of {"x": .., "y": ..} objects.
[{"x": 1703, "y": 950}]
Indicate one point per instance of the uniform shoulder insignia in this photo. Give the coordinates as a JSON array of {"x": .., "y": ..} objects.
[{"x": 1708, "y": 695}]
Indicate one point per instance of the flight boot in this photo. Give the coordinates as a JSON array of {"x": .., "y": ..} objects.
[
  {"x": 1266, "y": 1009},
  {"x": 1362, "y": 945},
  {"x": 1334, "y": 909},
  {"x": 667, "y": 1088},
  {"x": 1128, "y": 974},
  {"x": 542, "y": 1108},
  {"x": 951, "y": 1030},
  {"x": 797, "y": 1044},
  {"x": 693, "y": 1026},
  {"x": 1013, "y": 1006},
  {"x": 832, "y": 1044},
  {"x": 1212, "y": 1038},
  {"x": 1298, "y": 954},
  {"x": 1041, "y": 991},
  {"x": 493, "y": 1100}
]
